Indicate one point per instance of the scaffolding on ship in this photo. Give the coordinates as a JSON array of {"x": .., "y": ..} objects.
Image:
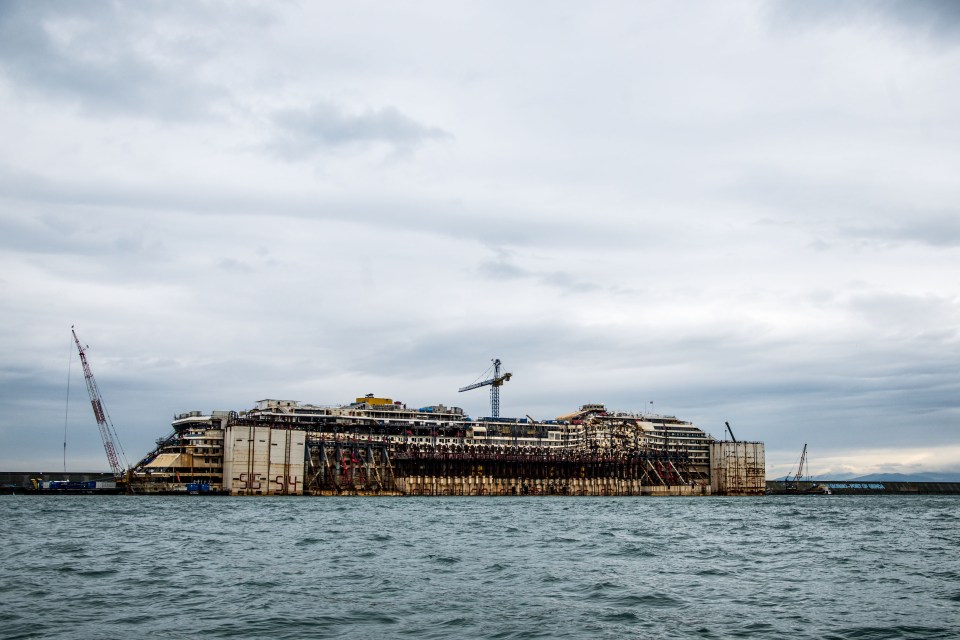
[{"x": 348, "y": 467}]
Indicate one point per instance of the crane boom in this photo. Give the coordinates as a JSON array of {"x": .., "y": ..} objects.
[
  {"x": 803, "y": 461},
  {"x": 476, "y": 385},
  {"x": 730, "y": 431},
  {"x": 798, "y": 478},
  {"x": 107, "y": 431},
  {"x": 495, "y": 383}
]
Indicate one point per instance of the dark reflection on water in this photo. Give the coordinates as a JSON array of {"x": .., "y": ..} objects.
[{"x": 806, "y": 567}]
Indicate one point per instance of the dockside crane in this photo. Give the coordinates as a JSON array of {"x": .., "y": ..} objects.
[
  {"x": 798, "y": 478},
  {"x": 111, "y": 444},
  {"x": 495, "y": 383}
]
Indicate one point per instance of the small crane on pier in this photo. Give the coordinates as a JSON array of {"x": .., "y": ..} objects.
[
  {"x": 798, "y": 478},
  {"x": 495, "y": 383},
  {"x": 107, "y": 432}
]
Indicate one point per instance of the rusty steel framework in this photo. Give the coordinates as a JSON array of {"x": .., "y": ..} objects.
[
  {"x": 738, "y": 468},
  {"x": 335, "y": 466},
  {"x": 349, "y": 467}
]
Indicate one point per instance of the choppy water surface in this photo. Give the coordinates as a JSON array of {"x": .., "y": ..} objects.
[{"x": 804, "y": 567}]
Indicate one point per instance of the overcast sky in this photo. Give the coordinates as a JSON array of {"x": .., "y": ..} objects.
[{"x": 740, "y": 211}]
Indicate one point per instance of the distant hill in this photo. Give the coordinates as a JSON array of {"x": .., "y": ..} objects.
[{"x": 932, "y": 476}]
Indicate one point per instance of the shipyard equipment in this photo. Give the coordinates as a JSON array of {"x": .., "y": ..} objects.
[
  {"x": 801, "y": 483},
  {"x": 798, "y": 478},
  {"x": 111, "y": 444},
  {"x": 730, "y": 431},
  {"x": 495, "y": 383}
]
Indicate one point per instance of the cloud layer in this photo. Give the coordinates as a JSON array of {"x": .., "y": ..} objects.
[{"x": 748, "y": 214}]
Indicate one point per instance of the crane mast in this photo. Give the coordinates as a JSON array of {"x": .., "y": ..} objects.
[
  {"x": 107, "y": 431},
  {"x": 495, "y": 383}
]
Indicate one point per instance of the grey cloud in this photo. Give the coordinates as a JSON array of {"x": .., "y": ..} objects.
[
  {"x": 940, "y": 230},
  {"x": 837, "y": 393},
  {"x": 232, "y": 264},
  {"x": 97, "y": 199},
  {"x": 937, "y": 20},
  {"x": 303, "y": 132},
  {"x": 786, "y": 195},
  {"x": 77, "y": 231},
  {"x": 846, "y": 209},
  {"x": 385, "y": 277},
  {"x": 501, "y": 268},
  {"x": 566, "y": 282},
  {"x": 93, "y": 54},
  {"x": 909, "y": 314}
]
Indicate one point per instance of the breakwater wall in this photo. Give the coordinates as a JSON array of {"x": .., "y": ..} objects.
[{"x": 847, "y": 487}]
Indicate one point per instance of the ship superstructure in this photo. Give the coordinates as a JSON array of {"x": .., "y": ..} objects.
[
  {"x": 380, "y": 445},
  {"x": 376, "y": 445}
]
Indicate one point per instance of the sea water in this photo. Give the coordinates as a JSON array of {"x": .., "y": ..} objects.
[{"x": 96, "y": 567}]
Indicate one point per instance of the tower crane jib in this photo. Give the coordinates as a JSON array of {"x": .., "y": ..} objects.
[{"x": 495, "y": 383}]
